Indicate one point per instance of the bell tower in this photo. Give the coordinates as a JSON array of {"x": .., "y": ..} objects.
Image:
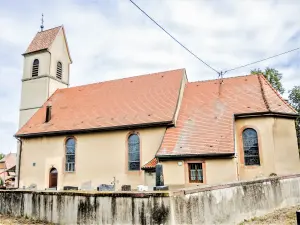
[{"x": 46, "y": 68}]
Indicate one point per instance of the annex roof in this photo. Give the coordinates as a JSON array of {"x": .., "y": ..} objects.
[
  {"x": 206, "y": 117},
  {"x": 151, "y": 164}
]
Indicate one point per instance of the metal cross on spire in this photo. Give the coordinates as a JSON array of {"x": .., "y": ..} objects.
[{"x": 42, "y": 25}]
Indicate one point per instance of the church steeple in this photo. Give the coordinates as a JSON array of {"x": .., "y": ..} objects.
[
  {"x": 46, "y": 68},
  {"x": 42, "y": 25}
]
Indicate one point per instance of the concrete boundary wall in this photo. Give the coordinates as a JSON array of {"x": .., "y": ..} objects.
[{"x": 221, "y": 204}]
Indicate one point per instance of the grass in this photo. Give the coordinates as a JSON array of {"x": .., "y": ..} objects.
[
  {"x": 286, "y": 216},
  {"x": 9, "y": 220}
]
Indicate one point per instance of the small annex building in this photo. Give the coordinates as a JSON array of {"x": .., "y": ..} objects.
[{"x": 204, "y": 132}]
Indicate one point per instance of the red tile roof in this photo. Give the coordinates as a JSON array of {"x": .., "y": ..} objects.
[
  {"x": 10, "y": 161},
  {"x": 148, "y": 99},
  {"x": 151, "y": 164},
  {"x": 206, "y": 117},
  {"x": 43, "y": 40}
]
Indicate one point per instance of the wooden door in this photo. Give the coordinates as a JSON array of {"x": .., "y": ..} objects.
[{"x": 53, "y": 178}]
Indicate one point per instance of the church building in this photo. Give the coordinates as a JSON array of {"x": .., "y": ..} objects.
[{"x": 206, "y": 132}]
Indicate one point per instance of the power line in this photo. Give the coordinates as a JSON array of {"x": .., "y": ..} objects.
[
  {"x": 235, "y": 68},
  {"x": 173, "y": 37},
  {"x": 221, "y": 73}
]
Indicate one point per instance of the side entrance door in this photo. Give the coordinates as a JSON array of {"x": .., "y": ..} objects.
[{"x": 53, "y": 178}]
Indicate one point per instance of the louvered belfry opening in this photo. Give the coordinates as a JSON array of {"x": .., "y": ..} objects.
[
  {"x": 35, "y": 68},
  {"x": 59, "y": 70}
]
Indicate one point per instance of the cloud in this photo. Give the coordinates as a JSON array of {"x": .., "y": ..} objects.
[{"x": 111, "y": 39}]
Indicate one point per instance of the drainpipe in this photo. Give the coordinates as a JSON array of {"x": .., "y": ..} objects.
[
  {"x": 19, "y": 161},
  {"x": 236, "y": 156}
]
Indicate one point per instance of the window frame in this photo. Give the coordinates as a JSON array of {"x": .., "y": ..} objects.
[
  {"x": 186, "y": 163},
  {"x": 189, "y": 164},
  {"x": 75, "y": 151},
  {"x": 128, "y": 151},
  {"x": 240, "y": 146},
  {"x": 243, "y": 147},
  {"x": 33, "y": 69},
  {"x": 61, "y": 70}
]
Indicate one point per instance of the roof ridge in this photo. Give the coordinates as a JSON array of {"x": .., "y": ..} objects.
[
  {"x": 60, "y": 27},
  {"x": 276, "y": 92},
  {"x": 263, "y": 93},
  {"x": 124, "y": 78},
  {"x": 50, "y": 29},
  {"x": 226, "y": 78}
]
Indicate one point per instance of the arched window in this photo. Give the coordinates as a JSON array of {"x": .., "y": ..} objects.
[
  {"x": 70, "y": 155},
  {"x": 59, "y": 70},
  {"x": 35, "y": 68},
  {"x": 133, "y": 152},
  {"x": 251, "y": 150}
]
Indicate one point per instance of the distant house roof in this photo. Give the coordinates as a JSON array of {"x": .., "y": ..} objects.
[
  {"x": 151, "y": 164},
  {"x": 206, "y": 117},
  {"x": 136, "y": 101},
  {"x": 43, "y": 40},
  {"x": 9, "y": 160}
]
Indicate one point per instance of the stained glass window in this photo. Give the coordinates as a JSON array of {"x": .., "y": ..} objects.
[
  {"x": 195, "y": 172},
  {"x": 133, "y": 152},
  {"x": 70, "y": 155},
  {"x": 251, "y": 150}
]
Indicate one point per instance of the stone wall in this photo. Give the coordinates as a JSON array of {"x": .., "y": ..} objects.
[
  {"x": 87, "y": 208},
  {"x": 222, "y": 204},
  {"x": 232, "y": 203}
]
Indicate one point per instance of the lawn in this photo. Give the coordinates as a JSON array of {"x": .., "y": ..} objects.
[
  {"x": 285, "y": 216},
  {"x": 7, "y": 220}
]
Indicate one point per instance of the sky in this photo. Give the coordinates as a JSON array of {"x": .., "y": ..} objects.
[{"x": 110, "y": 39}]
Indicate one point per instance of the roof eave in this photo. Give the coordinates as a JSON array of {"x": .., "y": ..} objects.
[
  {"x": 33, "y": 52},
  {"x": 148, "y": 169},
  {"x": 98, "y": 129},
  {"x": 207, "y": 155},
  {"x": 267, "y": 113}
]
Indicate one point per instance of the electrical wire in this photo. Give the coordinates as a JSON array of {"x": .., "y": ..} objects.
[
  {"x": 173, "y": 37},
  {"x": 220, "y": 73},
  {"x": 235, "y": 68}
]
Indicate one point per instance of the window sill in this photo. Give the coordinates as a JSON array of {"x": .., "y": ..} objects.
[
  {"x": 250, "y": 167},
  {"x": 196, "y": 182},
  {"x": 70, "y": 172}
]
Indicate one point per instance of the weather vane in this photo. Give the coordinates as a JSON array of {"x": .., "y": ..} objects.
[{"x": 42, "y": 25}]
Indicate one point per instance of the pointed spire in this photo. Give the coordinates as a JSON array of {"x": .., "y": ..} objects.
[{"x": 42, "y": 25}]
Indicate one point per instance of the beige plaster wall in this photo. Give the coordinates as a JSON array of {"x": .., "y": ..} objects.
[
  {"x": 25, "y": 115},
  {"x": 286, "y": 148},
  {"x": 54, "y": 85},
  {"x": 44, "y": 64},
  {"x": 99, "y": 158},
  {"x": 277, "y": 147},
  {"x": 174, "y": 173},
  {"x": 221, "y": 171},
  {"x": 34, "y": 93},
  {"x": 59, "y": 53},
  {"x": 215, "y": 171}
]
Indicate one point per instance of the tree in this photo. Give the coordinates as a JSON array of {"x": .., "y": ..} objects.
[
  {"x": 294, "y": 98},
  {"x": 1, "y": 156},
  {"x": 273, "y": 76}
]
